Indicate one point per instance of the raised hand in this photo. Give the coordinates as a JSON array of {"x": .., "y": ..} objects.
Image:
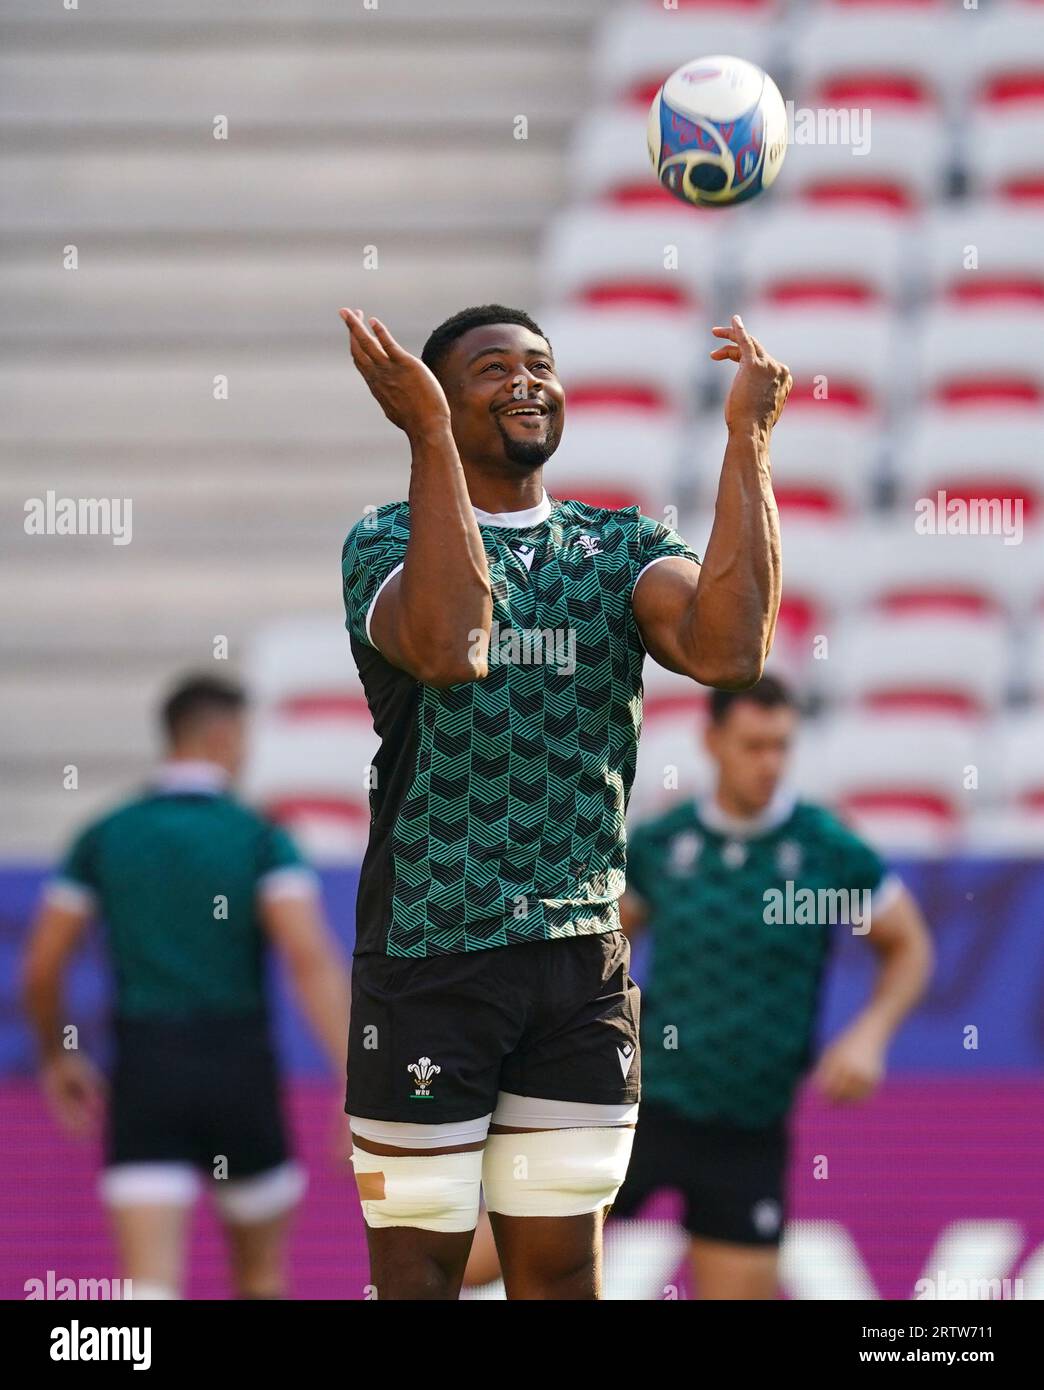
[
  {"x": 759, "y": 389},
  {"x": 402, "y": 385}
]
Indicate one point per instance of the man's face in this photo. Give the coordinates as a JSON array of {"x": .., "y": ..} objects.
[
  {"x": 751, "y": 747},
  {"x": 492, "y": 371}
]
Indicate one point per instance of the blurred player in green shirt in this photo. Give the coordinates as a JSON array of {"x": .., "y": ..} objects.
[
  {"x": 742, "y": 894},
  {"x": 192, "y": 888}
]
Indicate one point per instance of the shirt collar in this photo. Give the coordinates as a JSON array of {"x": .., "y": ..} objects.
[
  {"x": 532, "y": 516},
  {"x": 779, "y": 810},
  {"x": 187, "y": 776}
]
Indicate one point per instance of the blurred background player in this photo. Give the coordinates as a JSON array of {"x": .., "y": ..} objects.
[
  {"x": 192, "y": 888},
  {"x": 730, "y": 1002}
]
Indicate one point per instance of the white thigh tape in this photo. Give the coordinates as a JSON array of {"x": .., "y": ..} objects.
[
  {"x": 559, "y": 1172},
  {"x": 432, "y": 1192}
]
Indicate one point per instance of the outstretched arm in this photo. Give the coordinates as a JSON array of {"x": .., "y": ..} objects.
[
  {"x": 426, "y": 617},
  {"x": 715, "y": 622}
]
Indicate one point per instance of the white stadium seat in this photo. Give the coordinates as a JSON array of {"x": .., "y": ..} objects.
[
  {"x": 987, "y": 252},
  {"x": 673, "y": 764},
  {"x": 624, "y": 359},
  {"x": 1020, "y": 743},
  {"x": 617, "y": 458},
  {"x": 823, "y": 462},
  {"x": 899, "y": 161},
  {"x": 978, "y": 354},
  {"x": 839, "y": 357},
  {"x": 640, "y": 45},
  {"x": 899, "y": 55},
  {"x": 607, "y": 256},
  {"x": 984, "y": 453},
  {"x": 796, "y": 253},
  {"x": 1003, "y": 153},
  {"x": 948, "y": 662},
  {"x": 312, "y": 776},
  {"x": 304, "y": 666},
  {"x": 900, "y": 779},
  {"x": 609, "y": 158}
]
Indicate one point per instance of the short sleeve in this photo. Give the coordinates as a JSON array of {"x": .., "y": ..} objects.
[
  {"x": 373, "y": 552},
  {"x": 283, "y": 871},
  {"x": 860, "y": 867},
  {"x": 657, "y": 542},
  {"x": 75, "y": 884}
]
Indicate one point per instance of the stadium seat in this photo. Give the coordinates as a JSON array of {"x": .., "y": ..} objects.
[
  {"x": 977, "y": 355},
  {"x": 640, "y": 45},
  {"x": 902, "y": 572},
  {"x": 880, "y": 56},
  {"x": 1002, "y": 153},
  {"x": 801, "y": 256},
  {"x": 1004, "y": 67},
  {"x": 303, "y": 667},
  {"x": 841, "y": 358},
  {"x": 670, "y": 751},
  {"x": 899, "y": 779},
  {"x": 1020, "y": 742},
  {"x": 990, "y": 454},
  {"x": 623, "y": 359},
  {"x": 617, "y": 458},
  {"x": 871, "y": 165},
  {"x": 601, "y": 257},
  {"x": 1005, "y": 833},
  {"x": 987, "y": 252},
  {"x": 310, "y": 775},
  {"x": 950, "y": 663},
  {"x": 609, "y": 160},
  {"x": 823, "y": 462}
]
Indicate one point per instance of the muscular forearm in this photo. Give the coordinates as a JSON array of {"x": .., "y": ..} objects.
[
  {"x": 736, "y": 602},
  {"x": 445, "y": 590}
]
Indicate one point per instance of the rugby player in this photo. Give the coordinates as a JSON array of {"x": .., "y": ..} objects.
[
  {"x": 494, "y": 1033},
  {"x": 192, "y": 887},
  {"x": 730, "y": 1003}
]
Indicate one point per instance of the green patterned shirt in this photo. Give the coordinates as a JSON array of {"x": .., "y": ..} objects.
[
  {"x": 729, "y": 1004},
  {"x": 497, "y": 810}
]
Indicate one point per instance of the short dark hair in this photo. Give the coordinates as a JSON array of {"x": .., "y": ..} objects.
[
  {"x": 769, "y": 692},
  {"x": 441, "y": 339},
  {"x": 196, "y": 698}
]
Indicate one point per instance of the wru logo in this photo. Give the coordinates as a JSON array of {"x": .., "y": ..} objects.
[{"x": 425, "y": 1072}]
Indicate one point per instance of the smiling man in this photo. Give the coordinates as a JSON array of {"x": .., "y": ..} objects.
[{"x": 494, "y": 1025}]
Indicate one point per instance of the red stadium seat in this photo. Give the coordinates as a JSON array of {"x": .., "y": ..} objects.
[
  {"x": 987, "y": 253},
  {"x": 977, "y": 453},
  {"x": 616, "y": 259},
  {"x": 624, "y": 359},
  {"x": 912, "y": 660},
  {"x": 977, "y": 355},
  {"x": 313, "y": 774},
  {"x": 899, "y": 778},
  {"x": 796, "y": 256},
  {"x": 303, "y": 667},
  {"x": 829, "y": 173}
]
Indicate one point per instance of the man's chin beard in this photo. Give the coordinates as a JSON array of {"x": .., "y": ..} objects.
[{"x": 527, "y": 454}]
